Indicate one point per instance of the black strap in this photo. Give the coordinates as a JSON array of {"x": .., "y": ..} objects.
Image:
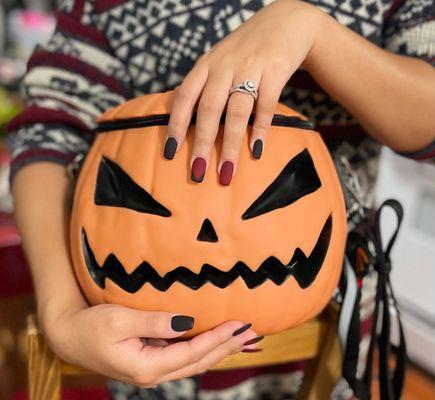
[
  {"x": 350, "y": 358},
  {"x": 390, "y": 386}
]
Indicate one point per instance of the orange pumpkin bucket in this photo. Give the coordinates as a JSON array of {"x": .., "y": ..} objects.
[{"x": 268, "y": 249}]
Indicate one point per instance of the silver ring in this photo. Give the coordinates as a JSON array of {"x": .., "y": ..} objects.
[{"x": 247, "y": 87}]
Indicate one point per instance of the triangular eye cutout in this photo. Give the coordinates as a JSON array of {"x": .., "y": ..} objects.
[
  {"x": 207, "y": 232},
  {"x": 297, "y": 179},
  {"x": 115, "y": 188}
]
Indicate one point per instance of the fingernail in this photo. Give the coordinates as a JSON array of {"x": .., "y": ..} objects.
[
  {"x": 226, "y": 173},
  {"x": 198, "y": 169},
  {"x": 242, "y": 329},
  {"x": 251, "y": 350},
  {"x": 253, "y": 341},
  {"x": 170, "y": 148},
  {"x": 181, "y": 323},
  {"x": 257, "y": 148}
]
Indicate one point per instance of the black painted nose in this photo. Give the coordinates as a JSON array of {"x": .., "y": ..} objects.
[{"x": 207, "y": 232}]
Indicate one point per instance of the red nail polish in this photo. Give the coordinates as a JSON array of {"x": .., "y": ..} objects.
[
  {"x": 226, "y": 173},
  {"x": 253, "y": 341},
  {"x": 198, "y": 169},
  {"x": 251, "y": 350}
]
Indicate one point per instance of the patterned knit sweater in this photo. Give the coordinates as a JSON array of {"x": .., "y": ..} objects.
[{"x": 106, "y": 51}]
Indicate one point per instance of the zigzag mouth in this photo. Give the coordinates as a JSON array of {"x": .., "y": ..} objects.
[{"x": 304, "y": 269}]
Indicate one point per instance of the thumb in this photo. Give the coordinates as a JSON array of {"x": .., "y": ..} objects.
[{"x": 131, "y": 323}]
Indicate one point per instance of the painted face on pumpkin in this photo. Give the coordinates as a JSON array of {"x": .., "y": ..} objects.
[
  {"x": 267, "y": 249},
  {"x": 115, "y": 188}
]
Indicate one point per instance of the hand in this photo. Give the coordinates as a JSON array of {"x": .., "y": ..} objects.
[
  {"x": 268, "y": 49},
  {"x": 107, "y": 339},
  {"x": 134, "y": 346}
]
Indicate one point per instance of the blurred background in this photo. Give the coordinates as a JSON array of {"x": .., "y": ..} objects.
[{"x": 23, "y": 24}]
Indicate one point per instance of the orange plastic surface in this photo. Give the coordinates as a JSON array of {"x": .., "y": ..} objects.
[{"x": 167, "y": 243}]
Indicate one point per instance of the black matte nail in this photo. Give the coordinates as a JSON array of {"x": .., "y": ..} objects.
[
  {"x": 242, "y": 329},
  {"x": 181, "y": 323},
  {"x": 251, "y": 350},
  {"x": 253, "y": 341},
  {"x": 257, "y": 149},
  {"x": 170, "y": 148}
]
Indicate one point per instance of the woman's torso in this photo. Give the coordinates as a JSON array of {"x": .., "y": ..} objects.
[{"x": 158, "y": 42}]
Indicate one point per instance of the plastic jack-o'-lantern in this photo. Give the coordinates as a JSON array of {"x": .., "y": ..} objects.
[{"x": 267, "y": 249}]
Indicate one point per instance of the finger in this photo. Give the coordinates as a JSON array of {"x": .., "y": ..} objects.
[
  {"x": 239, "y": 109},
  {"x": 128, "y": 323},
  {"x": 206, "y": 363},
  {"x": 227, "y": 348},
  {"x": 146, "y": 365},
  {"x": 269, "y": 92},
  {"x": 182, "y": 354},
  {"x": 210, "y": 108},
  {"x": 185, "y": 98}
]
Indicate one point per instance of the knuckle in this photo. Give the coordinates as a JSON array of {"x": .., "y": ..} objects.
[
  {"x": 207, "y": 106},
  {"x": 112, "y": 322},
  {"x": 202, "y": 143},
  {"x": 232, "y": 143},
  {"x": 154, "y": 323},
  {"x": 261, "y": 128},
  {"x": 249, "y": 61},
  {"x": 182, "y": 93},
  {"x": 222, "y": 336}
]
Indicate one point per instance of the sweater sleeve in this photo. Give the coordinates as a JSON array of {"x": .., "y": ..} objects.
[
  {"x": 409, "y": 29},
  {"x": 69, "y": 82}
]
